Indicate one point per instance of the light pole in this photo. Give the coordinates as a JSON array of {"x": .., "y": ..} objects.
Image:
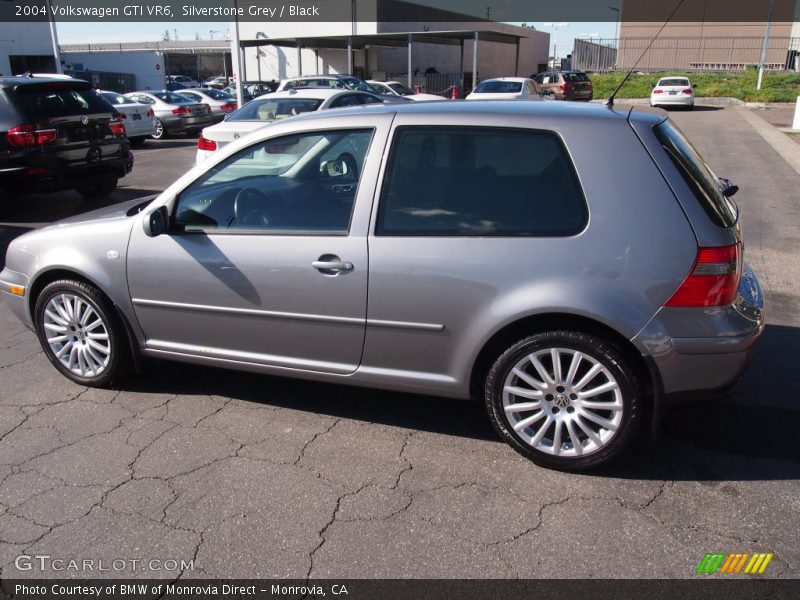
[
  {"x": 764, "y": 47},
  {"x": 54, "y": 38},
  {"x": 555, "y": 27},
  {"x": 616, "y": 29}
]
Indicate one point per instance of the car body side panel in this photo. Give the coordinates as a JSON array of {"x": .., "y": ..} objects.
[{"x": 470, "y": 287}]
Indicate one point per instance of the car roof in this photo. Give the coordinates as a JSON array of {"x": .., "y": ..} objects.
[
  {"x": 518, "y": 79},
  {"x": 23, "y": 79},
  {"x": 309, "y": 92},
  {"x": 504, "y": 108}
]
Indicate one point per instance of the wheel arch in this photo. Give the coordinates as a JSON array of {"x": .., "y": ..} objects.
[
  {"x": 520, "y": 328},
  {"x": 48, "y": 276}
]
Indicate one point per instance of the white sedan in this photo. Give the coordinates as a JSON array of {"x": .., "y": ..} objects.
[
  {"x": 395, "y": 88},
  {"x": 672, "y": 91},
  {"x": 273, "y": 107},
  {"x": 139, "y": 119},
  {"x": 506, "y": 88}
]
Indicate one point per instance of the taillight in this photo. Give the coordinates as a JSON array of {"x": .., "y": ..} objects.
[
  {"x": 182, "y": 110},
  {"x": 589, "y": 85},
  {"x": 228, "y": 107},
  {"x": 714, "y": 279},
  {"x": 151, "y": 112},
  {"x": 23, "y": 136},
  {"x": 117, "y": 127},
  {"x": 206, "y": 144},
  {"x": 563, "y": 87},
  {"x": 687, "y": 91},
  {"x": 206, "y": 108},
  {"x": 657, "y": 91}
]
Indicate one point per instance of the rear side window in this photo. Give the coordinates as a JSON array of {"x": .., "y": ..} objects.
[
  {"x": 697, "y": 174},
  {"x": 498, "y": 87},
  {"x": 47, "y": 103},
  {"x": 479, "y": 181}
]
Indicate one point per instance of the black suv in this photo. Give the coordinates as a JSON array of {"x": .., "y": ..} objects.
[{"x": 59, "y": 134}]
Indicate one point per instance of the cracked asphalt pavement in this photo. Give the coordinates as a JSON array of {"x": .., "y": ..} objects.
[{"x": 254, "y": 476}]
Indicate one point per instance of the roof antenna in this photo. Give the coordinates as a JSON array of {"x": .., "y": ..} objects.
[{"x": 610, "y": 101}]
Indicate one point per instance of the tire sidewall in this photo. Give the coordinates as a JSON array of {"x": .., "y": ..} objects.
[
  {"x": 599, "y": 349},
  {"x": 104, "y": 310}
]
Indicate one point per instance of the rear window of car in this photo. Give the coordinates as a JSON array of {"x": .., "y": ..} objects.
[
  {"x": 697, "y": 175},
  {"x": 498, "y": 87},
  {"x": 575, "y": 77},
  {"x": 480, "y": 181},
  {"x": 170, "y": 98},
  {"x": 38, "y": 103},
  {"x": 273, "y": 109},
  {"x": 217, "y": 94},
  {"x": 115, "y": 98},
  {"x": 672, "y": 82}
]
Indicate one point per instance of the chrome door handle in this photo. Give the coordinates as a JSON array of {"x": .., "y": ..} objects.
[{"x": 333, "y": 265}]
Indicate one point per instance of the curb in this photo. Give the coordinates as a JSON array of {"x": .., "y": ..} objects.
[
  {"x": 788, "y": 149},
  {"x": 710, "y": 101}
]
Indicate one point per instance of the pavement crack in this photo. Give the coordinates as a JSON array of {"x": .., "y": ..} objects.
[
  {"x": 24, "y": 360},
  {"x": 314, "y": 439}
]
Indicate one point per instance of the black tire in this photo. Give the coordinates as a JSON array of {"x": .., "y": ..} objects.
[
  {"x": 614, "y": 442},
  {"x": 138, "y": 141},
  {"x": 160, "y": 132},
  {"x": 118, "y": 361},
  {"x": 98, "y": 188}
]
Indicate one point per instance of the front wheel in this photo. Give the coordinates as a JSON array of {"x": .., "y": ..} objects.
[
  {"x": 566, "y": 400},
  {"x": 81, "y": 334}
]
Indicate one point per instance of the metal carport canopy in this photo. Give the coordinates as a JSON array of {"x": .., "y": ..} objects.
[{"x": 395, "y": 40}]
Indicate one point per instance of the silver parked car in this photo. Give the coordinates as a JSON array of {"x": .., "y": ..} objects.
[
  {"x": 496, "y": 251},
  {"x": 139, "y": 119},
  {"x": 221, "y": 103},
  {"x": 174, "y": 113}
]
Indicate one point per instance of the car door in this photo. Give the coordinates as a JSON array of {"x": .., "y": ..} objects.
[{"x": 266, "y": 259}]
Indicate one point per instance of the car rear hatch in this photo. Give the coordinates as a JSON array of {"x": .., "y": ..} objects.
[
  {"x": 66, "y": 124},
  {"x": 577, "y": 84}
]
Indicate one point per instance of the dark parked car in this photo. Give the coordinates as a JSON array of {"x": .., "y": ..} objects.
[
  {"x": 565, "y": 85},
  {"x": 574, "y": 269},
  {"x": 59, "y": 134}
]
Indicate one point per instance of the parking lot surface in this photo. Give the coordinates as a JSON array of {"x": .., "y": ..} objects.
[{"x": 251, "y": 476}]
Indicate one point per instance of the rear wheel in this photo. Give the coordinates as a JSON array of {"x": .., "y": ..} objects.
[
  {"x": 97, "y": 188},
  {"x": 81, "y": 333},
  {"x": 160, "y": 131},
  {"x": 566, "y": 400}
]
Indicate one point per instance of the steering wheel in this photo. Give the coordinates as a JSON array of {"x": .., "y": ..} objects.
[
  {"x": 350, "y": 161},
  {"x": 252, "y": 207}
]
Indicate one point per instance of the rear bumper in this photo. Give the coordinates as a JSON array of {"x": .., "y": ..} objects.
[
  {"x": 181, "y": 124},
  {"x": 24, "y": 180},
  {"x": 662, "y": 100},
  {"x": 700, "y": 352}
]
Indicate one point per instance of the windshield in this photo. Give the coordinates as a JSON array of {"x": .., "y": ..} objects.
[
  {"x": 673, "y": 82},
  {"x": 401, "y": 89},
  {"x": 171, "y": 98},
  {"x": 498, "y": 87},
  {"x": 697, "y": 174},
  {"x": 272, "y": 109}
]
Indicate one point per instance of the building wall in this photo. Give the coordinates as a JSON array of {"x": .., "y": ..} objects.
[
  {"x": 27, "y": 39},
  {"x": 690, "y": 45},
  {"x": 494, "y": 59},
  {"x": 146, "y": 65}
]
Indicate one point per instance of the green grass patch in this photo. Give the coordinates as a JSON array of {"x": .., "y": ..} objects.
[{"x": 776, "y": 87}]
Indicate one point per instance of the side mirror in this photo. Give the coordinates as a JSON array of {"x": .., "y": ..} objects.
[
  {"x": 156, "y": 222},
  {"x": 728, "y": 187}
]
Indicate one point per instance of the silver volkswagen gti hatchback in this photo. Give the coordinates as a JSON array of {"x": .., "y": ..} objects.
[{"x": 575, "y": 268}]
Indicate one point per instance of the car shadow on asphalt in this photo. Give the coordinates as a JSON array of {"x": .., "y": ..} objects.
[
  {"x": 749, "y": 435},
  {"x": 176, "y": 142}
]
